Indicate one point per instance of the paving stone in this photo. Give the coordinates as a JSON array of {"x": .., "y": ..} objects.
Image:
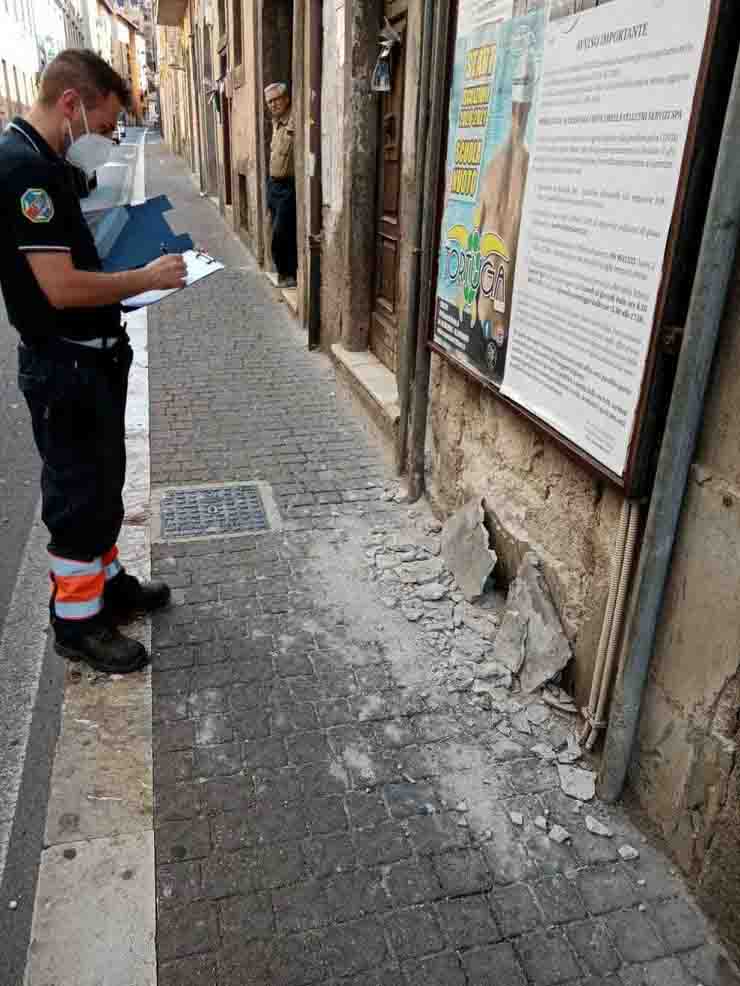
[
  {"x": 175, "y": 802},
  {"x": 414, "y": 932},
  {"x": 224, "y": 874},
  {"x": 326, "y": 815},
  {"x": 213, "y": 729},
  {"x": 413, "y": 881},
  {"x": 383, "y": 843},
  {"x": 218, "y": 761},
  {"x": 232, "y": 831},
  {"x": 176, "y": 841},
  {"x": 662, "y": 972},
  {"x": 559, "y": 900},
  {"x": 592, "y": 943},
  {"x": 497, "y": 965},
  {"x": 462, "y": 872},
  {"x": 243, "y": 919},
  {"x": 516, "y": 909},
  {"x": 366, "y": 809},
  {"x": 187, "y": 930},
  {"x": 308, "y": 748},
  {"x": 329, "y": 854},
  {"x": 300, "y": 907},
  {"x": 265, "y": 753},
  {"x": 709, "y": 965},
  {"x": 174, "y": 736},
  {"x": 437, "y": 970},
  {"x": 679, "y": 923},
  {"x": 191, "y": 971},
  {"x": 634, "y": 937},
  {"x": 606, "y": 889},
  {"x": 548, "y": 958},
  {"x": 178, "y": 883},
  {"x": 356, "y": 894},
  {"x": 437, "y": 834},
  {"x": 354, "y": 947},
  {"x": 227, "y": 794},
  {"x": 468, "y": 921}
]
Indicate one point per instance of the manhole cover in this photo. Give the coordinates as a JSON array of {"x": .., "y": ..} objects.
[{"x": 210, "y": 511}]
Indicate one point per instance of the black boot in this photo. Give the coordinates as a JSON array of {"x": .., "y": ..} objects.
[
  {"x": 99, "y": 645},
  {"x": 126, "y": 597}
]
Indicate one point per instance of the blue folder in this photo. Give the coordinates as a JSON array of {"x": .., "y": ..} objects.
[{"x": 143, "y": 235}]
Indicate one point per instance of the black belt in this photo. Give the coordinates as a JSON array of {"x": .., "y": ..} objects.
[{"x": 71, "y": 351}]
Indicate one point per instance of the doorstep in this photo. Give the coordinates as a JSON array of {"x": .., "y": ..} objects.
[
  {"x": 374, "y": 386},
  {"x": 290, "y": 295}
]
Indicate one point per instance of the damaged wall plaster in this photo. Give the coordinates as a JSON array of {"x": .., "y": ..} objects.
[{"x": 536, "y": 499}]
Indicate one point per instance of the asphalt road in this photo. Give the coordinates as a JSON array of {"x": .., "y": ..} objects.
[{"x": 19, "y": 494}]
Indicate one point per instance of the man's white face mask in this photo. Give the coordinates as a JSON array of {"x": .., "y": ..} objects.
[{"x": 90, "y": 151}]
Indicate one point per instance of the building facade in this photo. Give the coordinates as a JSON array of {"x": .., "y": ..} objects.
[
  {"x": 371, "y": 185},
  {"x": 19, "y": 58}
]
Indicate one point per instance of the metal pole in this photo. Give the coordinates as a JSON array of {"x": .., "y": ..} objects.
[
  {"x": 315, "y": 63},
  {"x": 714, "y": 271},
  {"x": 434, "y": 161},
  {"x": 407, "y": 368}
]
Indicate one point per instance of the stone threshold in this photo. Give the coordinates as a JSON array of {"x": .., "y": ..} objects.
[
  {"x": 374, "y": 385},
  {"x": 290, "y": 295}
]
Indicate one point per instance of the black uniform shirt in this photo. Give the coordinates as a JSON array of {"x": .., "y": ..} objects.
[{"x": 40, "y": 212}]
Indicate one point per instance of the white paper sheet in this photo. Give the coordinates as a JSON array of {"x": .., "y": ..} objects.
[{"x": 199, "y": 265}]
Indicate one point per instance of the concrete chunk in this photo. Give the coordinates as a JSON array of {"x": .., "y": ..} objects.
[
  {"x": 577, "y": 783},
  {"x": 465, "y": 549},
  {"x": 531, "y": 640},
  {"x": 596, "y": 827}
]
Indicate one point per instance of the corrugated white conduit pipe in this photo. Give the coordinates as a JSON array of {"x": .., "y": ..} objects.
[{"x": 611, "y": 631}]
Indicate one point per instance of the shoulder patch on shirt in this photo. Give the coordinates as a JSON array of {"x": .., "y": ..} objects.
[{"x": 36, "y": 205}]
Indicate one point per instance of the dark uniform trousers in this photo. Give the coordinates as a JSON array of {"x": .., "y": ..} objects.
[
  {"x": 281, "y": 201},
  {"x": 77, "y": 399}
]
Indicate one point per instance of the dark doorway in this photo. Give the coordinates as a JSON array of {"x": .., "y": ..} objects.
[
  {"x": 277, "y": 66},
  {"x": 388, "y": 233},
  {"x": 211, "y": 176},
  {"x": 226, "y": 117}
]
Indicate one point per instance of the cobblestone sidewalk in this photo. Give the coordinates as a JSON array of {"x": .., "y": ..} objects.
[{"x": 328, "y": 809}]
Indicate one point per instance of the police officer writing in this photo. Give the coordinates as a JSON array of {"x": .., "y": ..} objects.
[{"x": 74, "y": 356}]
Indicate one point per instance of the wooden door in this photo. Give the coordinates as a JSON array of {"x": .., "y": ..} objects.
[{"x": 388, "y": 231}]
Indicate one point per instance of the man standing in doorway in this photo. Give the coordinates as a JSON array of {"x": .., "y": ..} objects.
[{"x": 281, "y": 185}]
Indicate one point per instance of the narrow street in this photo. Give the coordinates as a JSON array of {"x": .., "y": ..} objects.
[{"x": 302, "y": 790}]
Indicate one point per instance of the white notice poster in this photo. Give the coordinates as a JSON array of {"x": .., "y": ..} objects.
[{"x": 615, "y": 104}]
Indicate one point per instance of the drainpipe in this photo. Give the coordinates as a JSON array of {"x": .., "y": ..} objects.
[
  {"x": 714, "y": 271},
  {"x": 316, "y": 41},
  {"x": 434, "y": 163},
  {"x": 408, "y": 363}
]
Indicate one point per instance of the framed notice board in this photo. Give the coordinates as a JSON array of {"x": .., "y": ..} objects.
[{"x": 569, "y": 138}]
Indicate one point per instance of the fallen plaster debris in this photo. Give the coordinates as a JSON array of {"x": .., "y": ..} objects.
[
  {"x": 576, "y": 782},
  {"x": 541, "y": 822},
  {"x": 531, "y": 633},
  {"x": 544, "y": 751},
  {"x": 537, "y": 714},
  {"x": 559, "y": 835},
  {"x": 596, "y": 827},
  {"x": 628, "y": 853},
  {"x": 516, "y": 818},
  {"x": 466, "y": 551}
]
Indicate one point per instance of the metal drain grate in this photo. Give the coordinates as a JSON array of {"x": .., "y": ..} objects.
[{"x": 211, "y": 511}]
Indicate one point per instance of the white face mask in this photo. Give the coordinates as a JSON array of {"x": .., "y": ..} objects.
[{"x": 90, "y": 151}]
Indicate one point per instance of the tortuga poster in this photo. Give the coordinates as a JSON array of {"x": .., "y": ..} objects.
[{"x": 494, "y": 89}]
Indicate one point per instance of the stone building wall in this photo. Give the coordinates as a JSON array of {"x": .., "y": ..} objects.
[{"x": 685, "y": 772}]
